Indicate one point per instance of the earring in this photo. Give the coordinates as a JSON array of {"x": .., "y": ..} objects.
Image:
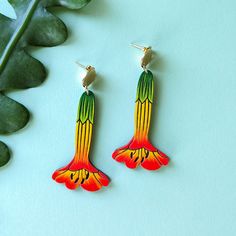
[
  {"x": 140, "y": 151},
  {"x": 80, "y": 171}
]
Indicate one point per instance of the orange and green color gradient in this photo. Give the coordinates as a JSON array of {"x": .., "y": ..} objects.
[
  {"x": 139, "y": 151},
  {"x": 80, "y": 171}
]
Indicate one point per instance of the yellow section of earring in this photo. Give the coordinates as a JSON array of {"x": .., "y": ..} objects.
[
  {"x": 89, "y": 77},
  {"x": 146, "y": 59}
]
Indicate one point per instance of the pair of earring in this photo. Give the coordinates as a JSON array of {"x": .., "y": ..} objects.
[{"x": 139, "y": 151}]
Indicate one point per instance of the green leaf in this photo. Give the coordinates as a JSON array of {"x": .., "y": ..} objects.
[
  {"x": 4, "y": 154},
  {"x": 34, "y": 26},
  {"x": 13, "y": 115}
]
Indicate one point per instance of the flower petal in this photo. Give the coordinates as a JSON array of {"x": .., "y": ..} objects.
[
  {"x": 151, "y": 162},
  {"x": 91, "y": 184},
  {"x": 162, "y": 157},
  {"x": 89, "y": 180},
  {"x": 103, "y": 179},
  {"x": 141, "y": 153}
]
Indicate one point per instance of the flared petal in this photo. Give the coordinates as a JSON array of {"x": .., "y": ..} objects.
[
  {"x": 95, "y": 181},
  {"x": 138, "y": 153},
  {"x": 151, "y": 162},
  {"x": 87, "y": 179}
]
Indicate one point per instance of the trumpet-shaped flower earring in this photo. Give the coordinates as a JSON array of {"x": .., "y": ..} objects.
[
  {"x": 140, "y": 151},
  {"x": 80, "y": 171}
]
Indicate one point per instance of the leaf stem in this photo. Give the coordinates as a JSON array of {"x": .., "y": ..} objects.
[{"x": 17, "y": 34}]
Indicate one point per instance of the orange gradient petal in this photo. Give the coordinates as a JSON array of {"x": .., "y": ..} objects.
[
  {"x": 140, "y": 153},
  {"x": 89, "y": 180}
]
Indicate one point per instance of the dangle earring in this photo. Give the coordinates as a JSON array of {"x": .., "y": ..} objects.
[
  {"x": 80, "y": 171},
  {"x": 140, "y": 151}
]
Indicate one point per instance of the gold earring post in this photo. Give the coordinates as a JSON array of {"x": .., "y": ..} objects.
[
  {"x": 80, "y": 65},
  {"x": 146, "y": 59},
  {"x": 137, "y": 46},
  {"x": 89, "y": 77}
]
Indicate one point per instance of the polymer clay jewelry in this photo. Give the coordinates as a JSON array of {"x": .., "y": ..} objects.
[
  {"x": 140, "y": 151},
  {"x": 80, "y": 171}
]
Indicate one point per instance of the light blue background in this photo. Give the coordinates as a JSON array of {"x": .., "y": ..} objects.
[{"x": 193, "y": 122}]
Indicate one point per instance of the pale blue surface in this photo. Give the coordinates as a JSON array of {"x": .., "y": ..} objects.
[{"x": 194, "y": 123}]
